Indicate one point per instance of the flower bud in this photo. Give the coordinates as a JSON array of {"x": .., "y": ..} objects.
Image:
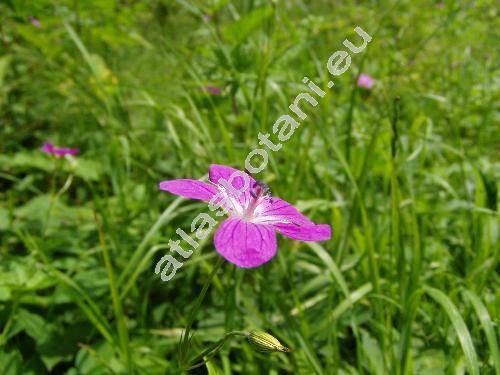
[{"x": 264, "y": 342}]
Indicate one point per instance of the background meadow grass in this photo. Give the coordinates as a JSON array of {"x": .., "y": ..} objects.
[{"x": 407, "y": 285}]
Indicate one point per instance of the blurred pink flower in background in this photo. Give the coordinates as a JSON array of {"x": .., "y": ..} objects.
[
  {"x": 440, "y": 5},
  {"x": 211, "y": 89},
  {"x": 34, "y": 21},
  {"x": 207, "y": 17},
  {"x": 365, "y": 81},
  {"x": 59, "y": 151}
]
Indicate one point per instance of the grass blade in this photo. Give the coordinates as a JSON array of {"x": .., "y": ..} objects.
[
  {"x": 487, "y": 324},
  {"x": 460, "y": 327}
]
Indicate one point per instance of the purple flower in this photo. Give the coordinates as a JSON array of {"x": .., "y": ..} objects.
[
  {"x": 207, "y": 17},
  {"x": 58, "y": 151},
  {"x": 365, "y": 81},
  {"x": 34, "y": 21},
  {"x": 211, "y": 89},
  {"x": 248, "y": 237},
  {"x": 440, "y": 5}
]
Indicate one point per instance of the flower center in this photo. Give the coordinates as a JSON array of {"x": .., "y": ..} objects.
[
  {"x": 249, "y": 212},
  {"x": 259, "y": 192}
]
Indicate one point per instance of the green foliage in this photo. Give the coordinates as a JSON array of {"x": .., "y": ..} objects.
[{"x": 409, "y": 282}]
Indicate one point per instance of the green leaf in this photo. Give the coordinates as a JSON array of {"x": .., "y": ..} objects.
[
  {"x": 487, "y": 324},
  {"x": 27, "y": 160},
  {"x": 23, "y": 275},
  {"x": 4, "y": 219},
  {"x": 372, "y": 349},
  {"x": 86, "y": 168},
  {"x": 10, "y": 363},
  {"x": 213, "y": 369},
  {"x": 461, "y": 329},
  {"x": 4, "y": 64},
  {"x": 330, "y": 265},
  {"x": 101, "y": 358},
  {"x": 240, "y": 29},
  {"x": 354, "y": 297},
  {"x": 486, "y": 191},
  {"x": 86, "y": 304},
  {"x": 53, "y": 348}
]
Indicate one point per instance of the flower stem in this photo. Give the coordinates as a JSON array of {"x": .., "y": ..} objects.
[
  {"x": 213, "y": 349},
  {"x": 123, "y": 335},
  {"x": 185, "y": 341}
]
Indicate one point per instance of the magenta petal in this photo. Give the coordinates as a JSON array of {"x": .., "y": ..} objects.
[
  {"x": 58, "y": 151},
  {"x": 216, "y": 172},
  {"x": 364, "y": 80},
  {"x": 61, "y": 151},
  {"x": 245, "y": 244},
  {"x": 47, "y": 147},
  {"x": 236, "y": 178},
  {"x": 278, "y": 209},
  {"x": 308, "y": 233},
  {"x": 69, "y": 151},
  {"x": 288, "y": 221},
  {"x": 193, "y": 189},
  {"x": 35, "y": 22}
]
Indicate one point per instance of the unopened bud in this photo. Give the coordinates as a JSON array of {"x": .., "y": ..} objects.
[{"x": 264, "y": 342}]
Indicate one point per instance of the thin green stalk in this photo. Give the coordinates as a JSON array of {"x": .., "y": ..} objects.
[
  {"x": 117, "y": 306},
  {"x": 185, "y": 341},
  {"x": 404, "y": 347},
  {"x": 131, "y": 270},
  {"x": 361, "y": 179},
  {"x": 354, "y": 90},
  {"x": 54, "y": 195},
  {"x": 213, "y": 349},
  {"x": 396, "y": 245}
]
